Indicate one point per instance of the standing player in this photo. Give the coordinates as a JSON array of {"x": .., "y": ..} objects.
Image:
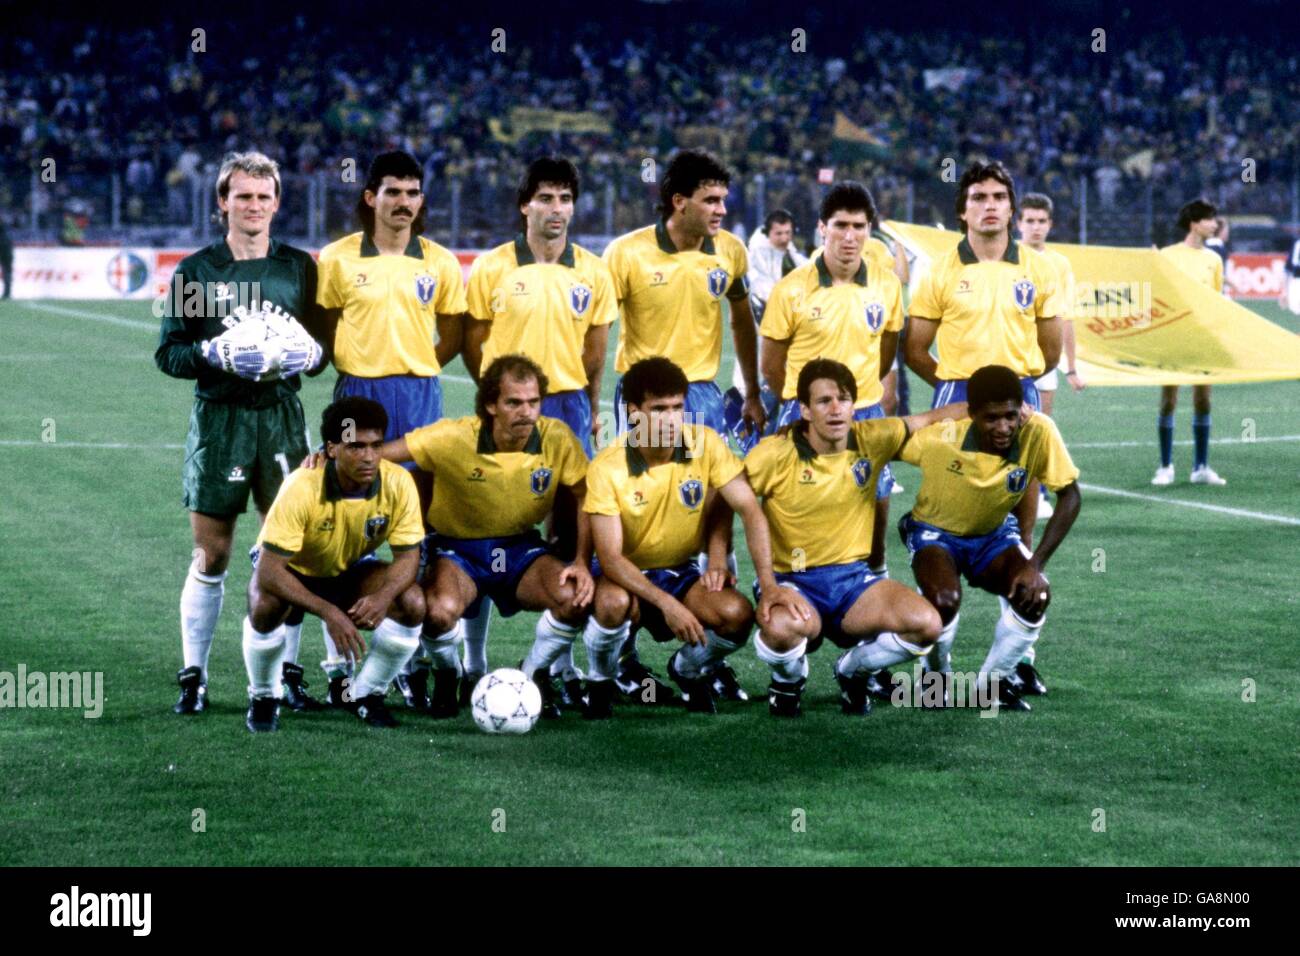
[
  {"x": 1292, "y": 300},
  {"x": 990, "y": 301},
  {"x": 820, "y": 475},
  {"x": 316, "y": 554},
  {"x": 244, "y": 430},
  {"x": 670, "y": 279},
  {"x": 393, "y": 303},
  {"x": 1197, "y": 223},
  {"x": 496, "y": 476},
  {"x": 647, "y": 495},
  {"x": 843, "y": 307},
  {"x": 973, "y": 473}
]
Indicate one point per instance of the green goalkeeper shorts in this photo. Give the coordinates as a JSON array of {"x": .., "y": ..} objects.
[{"x": 233, "y": 450}]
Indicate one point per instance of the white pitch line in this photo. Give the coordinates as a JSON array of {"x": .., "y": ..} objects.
[
  {"x": 23, "y": 443},
  {"x": 1184, "y": 441},
  {"x": 1218, "y": 509},
  {"x": 91, "y": 316}
]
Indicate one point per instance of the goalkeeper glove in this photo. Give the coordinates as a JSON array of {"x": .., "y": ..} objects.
[
  {"x": 300, "y": 356},
  {"x": 246, "y": 360}
]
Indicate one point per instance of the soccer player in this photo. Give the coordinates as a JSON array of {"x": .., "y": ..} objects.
[
  {"x": 990, "y": 301},
  {"x": 670, "y": 280},
  {"x": 392, "y": 304},
  {"x": 647, "y": 495},
  {"x": 839, "y": 306},
  {"x": 496, "y": 476},
  {"x": 821, "y": 474},
  {"x": 316, "y": 554},
  {"x": 244, "y": 429},
  {"x": 1197, "y": 223},
  {"x": 1292, "y": 300},
  {"x": 973, "y": 473}
]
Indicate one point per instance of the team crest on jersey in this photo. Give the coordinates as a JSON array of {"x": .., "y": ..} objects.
[
  {"x": 1017, "y": 480},
  {"x": 375, "y": 527},
  {"x": 1024, "y": 292},
  {"x": 540, "y": 480},
  {"x": 717, "y": 282},
  {"x": 875, "y": 316},
  {"x": 579, "y": 299},
  {"x": 862, "y": 472},
  {"x": 425, "y": 285},
  {"x": 692, "y": 492}
]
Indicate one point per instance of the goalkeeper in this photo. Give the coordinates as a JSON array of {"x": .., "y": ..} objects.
[{"x": 246, "y": 428}]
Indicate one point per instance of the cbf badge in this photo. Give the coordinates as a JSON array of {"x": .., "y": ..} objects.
[
  {"x": 375, "y": 527},
  {"x": 540, "y": 480},
  {"x": 425, "y": 284},
  {"x": 875, "y": 316},
  {"x": 717, "y": 282},
  {"x": 579, "y": 299},
  {"x": 1024, "y": 292},
  {"x": 1017, "y": 480},
  {"x": 692, "y": 492},
  {"x": 862, "y": 472}
]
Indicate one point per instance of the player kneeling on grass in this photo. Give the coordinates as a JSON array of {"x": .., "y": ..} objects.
[
  {"x": 316, "y": 554},
  {"x": 496, "y": 476},
  {"x": 647, "y": 495},
  {"x": 973, "y": 473},
  {"x": 818, "y": 486}
]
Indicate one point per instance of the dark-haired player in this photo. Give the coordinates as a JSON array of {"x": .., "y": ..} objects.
[
  {"x": 1197, "y": 222},
  {"x": 647, "y": 495},
  {"x": 315, "y": 554},
  {"x": 973, "y": 474},
  {"x": 821, "y": 475}
]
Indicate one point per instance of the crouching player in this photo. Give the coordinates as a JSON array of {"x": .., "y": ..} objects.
[
  {"x": 973, "y": 474},
  {"x": 818, "y": 486},
  {"x": 496, "y": 475},
  {"x": 647, "y": 495},
  {"x": 315, "y": 554}
]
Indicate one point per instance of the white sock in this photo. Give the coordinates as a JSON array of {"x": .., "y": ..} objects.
[
  {"x": 940, "y": 656},
  {"x": 788, "y": 667},
  {"x": 565, "y": 667},
  {"x": 335, "y": 664},
  {"x": 262, "y": 653},
  {"x": 695, "y": 660},
  {"x": 200, "y": 607},
  {"x": 1012, "y": 636},
  {"x": 552, "y": 642},
  {"x": 886, "y": 650},
  {"x": 1030, "y": 655},
  {"x": 441, "y": 650},
  {"x": 603, "y": 646},
  {"x": 391, "y": 645},
  {"x": 475, "y": 636},
  {"x": 292, "y": 638}
]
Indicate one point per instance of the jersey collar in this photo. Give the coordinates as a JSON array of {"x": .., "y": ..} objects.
[
  {"x": 222, "y": 256},
  {"x": 369, "y": 249},
  {"x": 972, "y": 443},
  {"x": 806, "y": 452},
  {"x": 334, "y": 491},
  {"x": 524, "y": 253},
  {"x": 637, "y": 465},
  {"x": 967, "y": 255},
  {"x": 666, "y": 242},
  {"x": 487, "y": 445},
  {"x": 825, "y": 279}
]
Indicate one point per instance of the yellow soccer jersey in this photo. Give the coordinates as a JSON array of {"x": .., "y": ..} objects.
[
  {"x": 840, "y": 322},
  {"x": 968, "y": 492},
  {"x": 988, "y": 312},
  {"x": 479, "y": 492},
  {"x": 390, "y": 304},
  {"x": 671, "y": 301},
  {"x": 1203, "y": 265},
  {"x": 541, "y": 310},
  {"x": 1065, "y": 288},
  {"x": 822, "y": 508},
  {"x": 662, "y": 508},
  {"x": 324, "y": 532}
]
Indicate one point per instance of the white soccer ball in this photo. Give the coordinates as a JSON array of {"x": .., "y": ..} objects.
[{"x": 506, "y": 702}]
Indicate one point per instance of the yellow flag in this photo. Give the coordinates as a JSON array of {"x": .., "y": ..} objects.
[{"x": 1140, "y": 320}]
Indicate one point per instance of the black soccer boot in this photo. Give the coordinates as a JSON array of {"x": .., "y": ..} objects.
[
  {"x": 880, "y": 685},
  {"x": 194, "y": 692},
  {"x": 336, "y": 696},
  {"x": 295, "y": 689},
  {"x": 373, "y": 711},
  {"x": 1030, "y": 682},
  {"x": 1008, "y": 699},
  {"x": 725, "y": 686},
  {"x": 640, "y": 685},
  {"x": 853, "y": 693},
  {"x": 467, "y": 684},
  {"x": 445, "y": 701},
  {"x": 923, "y": 693},
  {"x": 697, "y": 692},
  {"x": 263, "y": 715},
  {"x": 415, "y": 688},
  {"x": 785, "y": 700},
  {"x": 572, "y": 694},
  {"x": 600, "y": 700},
  {"x": 546, "y": 687}
]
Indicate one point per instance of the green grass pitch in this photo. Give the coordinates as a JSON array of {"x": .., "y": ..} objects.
[{"x": 1148, "y": 661}]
